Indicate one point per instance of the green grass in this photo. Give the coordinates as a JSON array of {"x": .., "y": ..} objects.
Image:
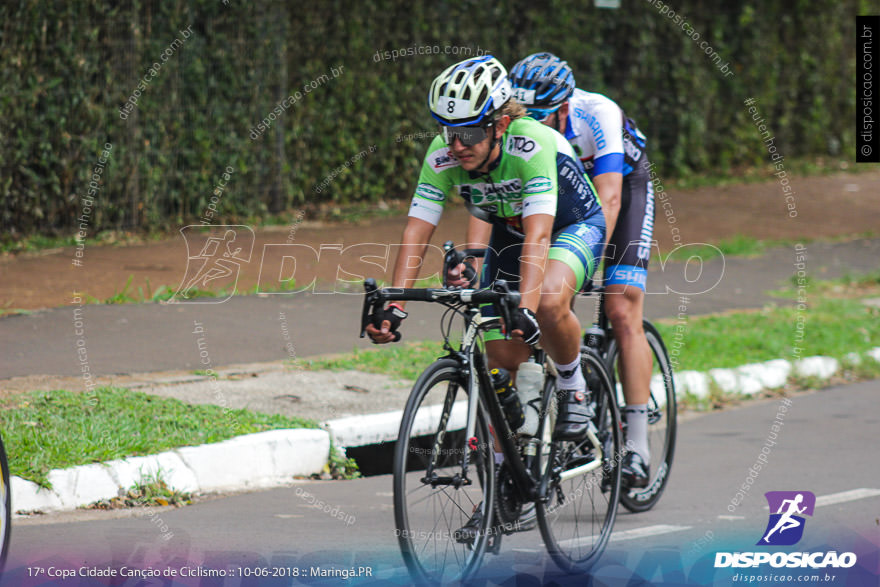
[
  {"x": 405, "y": 360},
  {"x": 737, "y": 246},
  {"x": 833, "y": 327},
  {"x": 58, "y": 429},
  {"x": 39, "y": 242}
]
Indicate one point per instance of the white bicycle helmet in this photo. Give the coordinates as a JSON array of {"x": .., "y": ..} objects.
[{"x": 468, "y": 93}]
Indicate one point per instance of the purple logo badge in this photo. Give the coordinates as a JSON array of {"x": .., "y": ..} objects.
[{"x": 786, "y": 524}]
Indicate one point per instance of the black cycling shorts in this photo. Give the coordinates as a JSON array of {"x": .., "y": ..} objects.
[{"x": 629, "y": 248}]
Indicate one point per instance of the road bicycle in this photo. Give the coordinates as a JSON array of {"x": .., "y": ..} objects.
[
  {"x": 599, "y": 341},
  {"x": 445, "y": 476},
  {"x": 6, "y": 505}
]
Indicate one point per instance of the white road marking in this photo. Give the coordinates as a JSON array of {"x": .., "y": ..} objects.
[
  {"x": 634, "y": 534},
  {"x": 845, "y": 496},
  {"x": 732, "y": 517},
  {"x": 646, "y": 532}
]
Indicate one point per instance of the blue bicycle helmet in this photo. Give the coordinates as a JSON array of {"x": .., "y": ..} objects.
[{"x": 542, "y": 80}]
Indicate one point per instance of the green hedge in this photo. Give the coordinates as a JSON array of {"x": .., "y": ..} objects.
[{"x": 67, "y": 69}]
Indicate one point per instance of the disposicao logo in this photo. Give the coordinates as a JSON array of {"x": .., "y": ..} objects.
[{"x": 785, "y": 528}]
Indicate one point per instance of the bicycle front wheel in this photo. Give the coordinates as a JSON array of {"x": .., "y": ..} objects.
[
  {"x": 661, "y": 421},
  {"x": 6, "y": 504},
  {"x": 577, "y": 518},
  {"x": 443, "y": 485}
]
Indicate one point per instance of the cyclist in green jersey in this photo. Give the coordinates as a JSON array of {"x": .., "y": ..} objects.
[{"x": 531, "y": 203}]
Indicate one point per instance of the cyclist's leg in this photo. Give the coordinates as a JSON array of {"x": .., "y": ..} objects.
[
  {"x": 571, "y": 261},
  {"x": 624, "y": 302},
  {"x": 560, "y": 329},
  {"x": 502, "y": 262}
]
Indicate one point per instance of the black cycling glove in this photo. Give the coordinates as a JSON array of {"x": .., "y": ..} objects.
[
  {"x": 525, "y": 320},
  {"x": 394, "y": 314}
]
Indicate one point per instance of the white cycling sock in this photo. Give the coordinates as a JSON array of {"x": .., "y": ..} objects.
[
  {"x": 570, "y": 376},
  {"x": 636, "y": 416},
  {"x": 499, "y": 458}
]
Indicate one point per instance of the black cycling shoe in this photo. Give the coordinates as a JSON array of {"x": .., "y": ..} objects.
[
  {"x": 467, "y": 534},
  {"x": 634, "y": 472},
  {"x": 574, "y": 416}
]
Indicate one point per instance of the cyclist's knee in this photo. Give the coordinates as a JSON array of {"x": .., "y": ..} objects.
[
  {"x": 553, "y": 308},
  {"x": 625, "y": 319},
  {"x": 624, "y": 306}
]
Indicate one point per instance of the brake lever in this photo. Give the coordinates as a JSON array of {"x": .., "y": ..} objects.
[
  {"x": 372, "y": 305},
  {"x": 370, "y": 297},
  {"x": 454, "y": 258},
  {"x": 510, "y": 299}
]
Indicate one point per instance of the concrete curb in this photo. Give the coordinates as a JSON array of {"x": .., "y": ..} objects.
[
  {"x": 273, "y": 458},
  {"x": 253, "y": 461},
  {"x": 746, "y": 380}
]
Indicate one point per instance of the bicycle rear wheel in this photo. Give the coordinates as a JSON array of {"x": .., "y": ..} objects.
[
  {"x": 661, "y": 421},
  {"x": 578, "y": 516},
  {"x": 428, "y": 516},
  {"x": 6, "y": 504}
]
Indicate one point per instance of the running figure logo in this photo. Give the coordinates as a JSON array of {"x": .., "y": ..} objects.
[
  {"x": 217, "y": 265},
  {"x": 786, "y": 526}
]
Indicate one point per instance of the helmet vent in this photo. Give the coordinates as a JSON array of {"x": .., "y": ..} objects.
[{"x": 483, "y": 95}]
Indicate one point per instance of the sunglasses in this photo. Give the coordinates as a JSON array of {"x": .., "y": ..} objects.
[
  {"x": 468, "y": 135},
  {"x": 541, "y": 114}
]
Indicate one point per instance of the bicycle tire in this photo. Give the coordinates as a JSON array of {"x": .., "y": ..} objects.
[
  {"x": 573, "y": 543},
  {"x": 420, "y": 509},
  {"x": 6, "y": 504},
  {"x": 662, "y": 410}
]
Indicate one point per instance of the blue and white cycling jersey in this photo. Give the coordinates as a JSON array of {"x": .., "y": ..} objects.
[{"x": 604, "y": 139}]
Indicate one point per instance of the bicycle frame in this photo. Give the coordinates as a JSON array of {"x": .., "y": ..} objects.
[{"x": 530, "y": 483}]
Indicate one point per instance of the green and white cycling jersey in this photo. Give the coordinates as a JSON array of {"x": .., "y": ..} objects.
[{"x": 537, "y": 173}]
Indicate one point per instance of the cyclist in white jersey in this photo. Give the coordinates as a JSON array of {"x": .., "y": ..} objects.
[{"x": 613, "y": 152}]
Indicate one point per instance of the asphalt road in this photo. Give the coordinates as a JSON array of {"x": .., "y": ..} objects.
[
  {"x": 826, "y": 445},
  {"x": 121, "y": 339}
]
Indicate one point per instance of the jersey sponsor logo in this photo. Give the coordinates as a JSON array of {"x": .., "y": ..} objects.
[
  {"x": 429, "y": 192},
  {"x": 441, "y": 159},
  {"x": 644, "y": 250},
  {"x": 571, "y": 179},
  {"x": 484, "y": 194},
  {"x": 521, "y": 146},
  {"x": 631, "y": 150},
  {"x": 595, "y": 127},
  {"x": 537, "y": 185}
]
